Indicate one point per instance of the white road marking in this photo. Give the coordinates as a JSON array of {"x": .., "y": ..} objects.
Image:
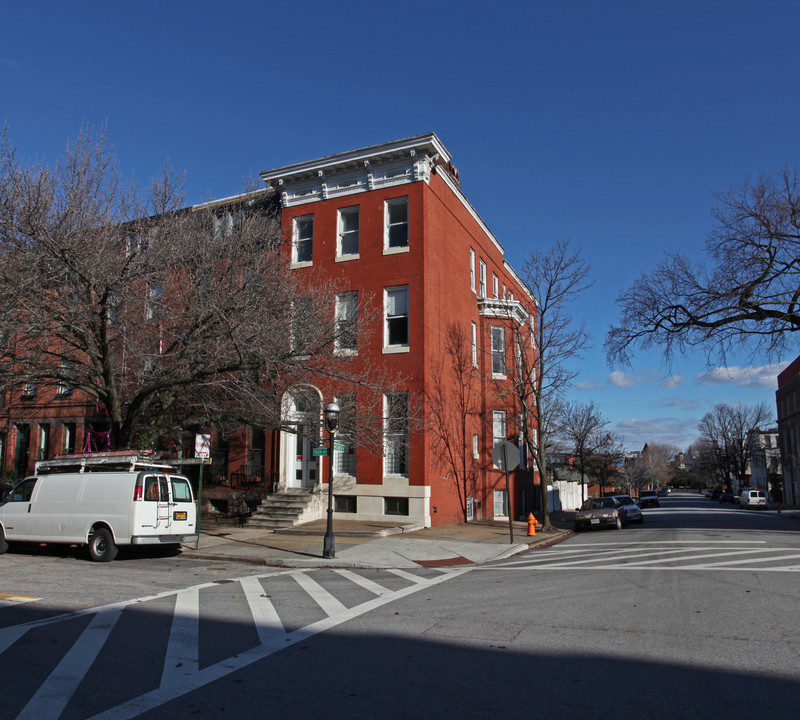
[
  {"x": 55, "y": 692},
  {"x": 268, "y": 624},
  {"x": 181, "y": 658},
  {"x": 329, "y": 604},
  {"x": 149, "y": 701},
  {"x": 407, "y": 575},
  {"x": 365, "y": 583}
]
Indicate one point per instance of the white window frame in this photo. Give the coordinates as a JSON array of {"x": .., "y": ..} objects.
[
  {"x": 388, "y": 226},
  {"x": 482, "y": 279},
  {"x": 341, "y": 240},
  {"x": 475, "y": 446},
  {"x": 499, "y": 427},
  {"x": 495, "y": 286},
  {"x": 346, "y": 306},
  {"x": 472, "y": 269},
  {"x": 474, "y": 344},
  {"x": 498, "y": 336},
  {"x": 395, "y": 430},
  {"x": 297, "y": 240},
  {"x": 345, "y": 462},
  {"x": 389, "y": 294}
]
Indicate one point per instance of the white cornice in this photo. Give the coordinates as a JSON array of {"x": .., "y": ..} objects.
[{"x": 356, "y": 162}]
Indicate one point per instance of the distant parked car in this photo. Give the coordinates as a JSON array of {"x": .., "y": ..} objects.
[
  {"x": 753, "y": 499},
  {"x": 599, "y": 512},
  {"x": 715, "y": 493},
  {"x": 632, "y": 512},
  {"x": 649, "y": 498},
  {"x": 727, "y": 497},
  {"x": 663, "y": 492}
]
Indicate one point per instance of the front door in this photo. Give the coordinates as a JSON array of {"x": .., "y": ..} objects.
[{"x": 304, "y": 462}]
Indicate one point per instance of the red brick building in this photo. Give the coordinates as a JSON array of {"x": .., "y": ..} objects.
[
  {"x": 391, "y": 227},
  {"x": 787, "y": 399},
  {"x": 391, "y": 222}
]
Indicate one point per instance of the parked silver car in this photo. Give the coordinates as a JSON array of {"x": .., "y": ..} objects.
[{"x": 632, "y": 513}]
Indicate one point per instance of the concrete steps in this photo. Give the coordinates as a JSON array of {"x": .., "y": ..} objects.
[{"x": 288, "y": 508}]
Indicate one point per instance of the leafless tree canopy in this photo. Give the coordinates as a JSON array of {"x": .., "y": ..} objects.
[
  {"x": 747, "y": 290},
  {"x": 452, "y": 403},
  {"x": 652, "y": 468},
  {"x": 164, "y": 316},
  {"x": 727, "y": 430},
  {"x": 556, "y": 277}
]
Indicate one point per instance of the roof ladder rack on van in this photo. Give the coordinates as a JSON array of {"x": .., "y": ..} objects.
[{"x": 115, "y": 460}]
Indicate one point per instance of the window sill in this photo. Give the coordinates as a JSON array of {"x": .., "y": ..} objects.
[
  {"x": 395, "y": 350},
  {"x": 395, "y": 250},
  {"x": 347, "y": 258},
  {"x": 305, "y": 264},
  {"x": 345, "y": 353},
  {"x": 498, "y": 376}
]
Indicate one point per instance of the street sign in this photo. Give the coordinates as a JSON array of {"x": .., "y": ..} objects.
[
  {"x": 322, "y": 450},
  {"x": 338, "y": 445},
  {"x": 505, "y": 456},
  {"x": 202, "y": 446}
]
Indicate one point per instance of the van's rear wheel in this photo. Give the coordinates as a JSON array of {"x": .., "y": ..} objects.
[
  {"x": 101, "y": 546},
  {"x": 3, "y": 542}
]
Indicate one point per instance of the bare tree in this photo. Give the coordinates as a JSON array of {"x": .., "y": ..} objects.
[
  {"x": 651, "y": 467},
  {"x": 728, "y": 428},
  {"x": 164, "y": 316},
  {"x": 747, "y": 292},
  {"x": 582, "y": 429},
  {"x": 452, "y": 404},
  {"x": 555, "y": 278}
]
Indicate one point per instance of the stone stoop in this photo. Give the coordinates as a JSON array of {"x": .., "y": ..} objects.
[{"x": 292, "y": 506}]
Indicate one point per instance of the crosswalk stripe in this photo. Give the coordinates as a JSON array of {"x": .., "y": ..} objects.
[
  {"x": 268, "y": 623},
  {"x": 55, "y": 692},
  {"x": 330, "y": 605},
  {"x": 365, "y": 583},
  {"x": 406, "y": 575},
  {"x": 182, "y": 648}
]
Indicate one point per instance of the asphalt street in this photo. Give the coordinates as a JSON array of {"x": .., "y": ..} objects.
[{"x": 691, "y": 614}]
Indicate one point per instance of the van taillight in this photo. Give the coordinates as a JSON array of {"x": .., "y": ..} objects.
[{"x": 137, "y": 491}]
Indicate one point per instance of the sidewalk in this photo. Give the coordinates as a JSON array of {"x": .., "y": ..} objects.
[{"x": 371, "y": 544}]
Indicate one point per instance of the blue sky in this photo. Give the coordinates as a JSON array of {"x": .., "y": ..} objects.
[{"x": 611, "y": 123}]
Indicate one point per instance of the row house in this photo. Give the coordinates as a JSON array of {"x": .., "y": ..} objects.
[{"x": 388, "y": 227}]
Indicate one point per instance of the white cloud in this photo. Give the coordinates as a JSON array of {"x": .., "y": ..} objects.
[
  {"x": 659, "y": 430},
  {"x": 619, "y": 378},
  {"x": 764, "y": 376}
]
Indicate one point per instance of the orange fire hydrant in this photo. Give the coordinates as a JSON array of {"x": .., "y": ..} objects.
[{"x": 531, "y": 525}]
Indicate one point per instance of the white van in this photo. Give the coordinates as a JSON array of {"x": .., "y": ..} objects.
[
  {"x": 103, "y": 501},
  {"x": 753, "y": 499}
]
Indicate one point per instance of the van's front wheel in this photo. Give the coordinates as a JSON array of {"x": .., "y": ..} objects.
[
  {"x": 3, "y": 542},
  {"x": 101, "y": 546}
]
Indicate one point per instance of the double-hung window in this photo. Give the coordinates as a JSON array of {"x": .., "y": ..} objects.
[
  {"x": 396, "y": 317},
  {"x": 346, "y": 337},
  {"x": 498, "y": 427},
  {"x": 498, "y": 351},
  {"x": 495, "y": 286},
  {"x": 345, "y": 459},
  {"x": 395, "y": 435},
  {"x": 474, "y": 345},
  {"x": 303, "y": 241},
  {"x": 482, "y": 289},
  {"x": 348, "y": 232},
  {"x": 472, "y": 269},
  {"x": 396, "y": 224}
]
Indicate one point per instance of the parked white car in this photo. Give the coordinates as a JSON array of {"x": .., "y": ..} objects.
[{"x": 632, "y": 512}]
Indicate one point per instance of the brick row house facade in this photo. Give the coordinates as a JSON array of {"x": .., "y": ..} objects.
[{"x": 391, "y": 229}]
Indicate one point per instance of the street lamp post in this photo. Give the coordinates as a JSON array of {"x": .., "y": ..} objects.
[{"x": 331, "y": 421}]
